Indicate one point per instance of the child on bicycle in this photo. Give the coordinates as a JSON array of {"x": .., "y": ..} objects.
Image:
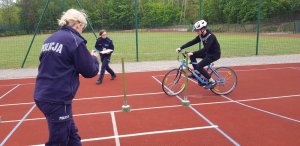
[{"x": 209, "y": 53}]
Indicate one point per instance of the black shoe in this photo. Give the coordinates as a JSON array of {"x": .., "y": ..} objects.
[
  {"x": 210, "y": 85},
  {"x": 191, "y": 76},
  {"x": 113, "y": 77},
  {"x": 201, "y": 84},
  {"x": 99, "y": 82}
]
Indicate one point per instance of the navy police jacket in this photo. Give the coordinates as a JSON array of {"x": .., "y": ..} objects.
[
  {"x": 63, "y": 57},
  {"x": 104, "y": 43}
]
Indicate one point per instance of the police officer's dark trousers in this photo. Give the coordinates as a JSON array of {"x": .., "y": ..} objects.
[
  {"x": 105, "y": 67},
  {"x": 61, "y": 126}
]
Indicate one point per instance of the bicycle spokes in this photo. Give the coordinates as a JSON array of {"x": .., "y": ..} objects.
[
  {"x": 173, "y": 82},
  {"x": 226, "y": 80}
]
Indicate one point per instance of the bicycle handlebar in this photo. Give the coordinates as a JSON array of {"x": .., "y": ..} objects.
[{"x": 184, "y": 54}]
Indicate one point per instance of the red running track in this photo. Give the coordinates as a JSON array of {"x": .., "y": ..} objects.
[{"x": 263, "y": 110}]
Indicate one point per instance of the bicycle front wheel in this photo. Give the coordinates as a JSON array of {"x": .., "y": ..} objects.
[
  {"x": 173, "y": 82},
  {"x": 226, "y": 80}
]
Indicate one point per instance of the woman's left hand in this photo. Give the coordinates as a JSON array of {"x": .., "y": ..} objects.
[{"x": 94, "y": 53}]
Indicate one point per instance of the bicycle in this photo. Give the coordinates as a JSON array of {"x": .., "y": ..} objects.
[{"x": 173, "y": 82}]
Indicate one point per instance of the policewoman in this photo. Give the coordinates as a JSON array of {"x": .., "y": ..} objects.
[
  {"x": 104, "y": 45},
  {"x": 63, "y": 57}
]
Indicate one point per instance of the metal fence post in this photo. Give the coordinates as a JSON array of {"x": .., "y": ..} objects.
[
  {"x": 258, "y": 25},
  {"x": 35, "y": 32},
  {"x": 136, "y": 29}
]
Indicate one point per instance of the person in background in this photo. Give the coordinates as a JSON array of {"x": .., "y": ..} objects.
[
  {"x": 63, "y": 57},
  {"x": 104, "y": 45},
  {"x": 210, "y": 53}
]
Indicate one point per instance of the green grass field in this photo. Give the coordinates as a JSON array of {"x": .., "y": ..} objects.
[{"x": 153, "y": 46}]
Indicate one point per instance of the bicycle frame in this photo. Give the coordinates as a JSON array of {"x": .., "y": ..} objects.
[
  {"x": 202, "y": 80},
  {"x": 174, "y": 81}
]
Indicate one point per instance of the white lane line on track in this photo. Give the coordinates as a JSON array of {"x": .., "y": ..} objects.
[
  {"x": 90, "y": 98},
  {"x": 114, "y": 123},
  {"x": 242, "y": 70},
  {"x": 17, "y": 84},
  {"x": 261, "y": 110},
  {"x": 217, "y": 128},
  {"x": 226, "y": 98},
  {"x": 16, "y": 104},
  {"x": 152, "y": 132},
  {"x": 206, "y": 119},
  {"x": 151, "y": 93},
  {"x": 15, "y": 128},
  {"x": 264, "y": 69},
  {"x": 170, "y": 106},
  {"x": 145, "y": 133},
  {"x": 258, "y": 109},
  {"x": 297, "y": 68},
  {"x": 10, "y": 91},
  {"x": 241, "y": 100}
]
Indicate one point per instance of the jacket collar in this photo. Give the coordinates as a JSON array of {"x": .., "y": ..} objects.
[
  {"x": 207, "y": 33},
  {"x": 68, "y": 28}
]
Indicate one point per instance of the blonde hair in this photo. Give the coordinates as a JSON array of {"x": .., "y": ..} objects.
[{"x": 71, "y": 17}]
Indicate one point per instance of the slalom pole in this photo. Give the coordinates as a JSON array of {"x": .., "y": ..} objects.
[
  {"x": 125, "y": 107},
  {"x": 185, "y": 101}
]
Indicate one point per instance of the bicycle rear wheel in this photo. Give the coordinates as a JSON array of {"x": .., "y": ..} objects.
[
  {"x": 226, "y": 82},
  {"x": 173, "y": 82}
]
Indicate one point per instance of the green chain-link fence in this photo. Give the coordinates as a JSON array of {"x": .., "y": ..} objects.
[{"x": 151, "y": 30}]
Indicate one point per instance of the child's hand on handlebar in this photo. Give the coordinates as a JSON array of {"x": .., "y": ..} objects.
[
  {"x": 190, "y": 53},
  {"x": 178, "y": 50}
]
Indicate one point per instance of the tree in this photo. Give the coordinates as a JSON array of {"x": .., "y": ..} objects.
[
  {"x": 192, "y": 11},
  {"x": 157, "y": 14},
  {"x": 29, "y": 13},
  {"x": 121, "y": 14},
  {"x": 9, "y": 14},
  {"x": 213, "y": 11}
]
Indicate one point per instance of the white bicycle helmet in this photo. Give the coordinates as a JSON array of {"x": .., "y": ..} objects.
[{"x": 199, "y": 24}]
